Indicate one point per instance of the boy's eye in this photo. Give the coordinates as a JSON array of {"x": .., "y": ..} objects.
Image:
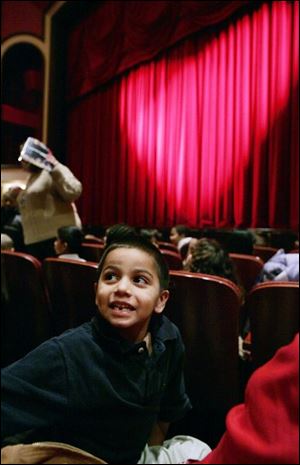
[
  {"x": 140, "y": 280},
  {"x": 110, "y": 276}
]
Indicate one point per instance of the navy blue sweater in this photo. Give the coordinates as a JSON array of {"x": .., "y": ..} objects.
[{"x": 90, "y": 388}]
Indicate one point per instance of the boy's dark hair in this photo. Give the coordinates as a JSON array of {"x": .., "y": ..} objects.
[
  {"x": 73, "y": 236},
  {"x": 146, "y": 246},
  {"x": 118, "y": 232}
]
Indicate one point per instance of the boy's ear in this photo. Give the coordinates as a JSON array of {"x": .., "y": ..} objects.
[{"x": 161, "y": 302}]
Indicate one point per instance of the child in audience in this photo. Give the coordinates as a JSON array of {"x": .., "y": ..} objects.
[
  {"x": 7, "y": 242},
  {"x": 153, "y": 235},
  {"x": 281, "y": 267},
  {"x": 180, "y": 236},
  {"x": 112, "y": 385},
  {"x": 209, "y": 257},
  {"x": 11, "y": 223},
  {"x": 68, "y": 243}
]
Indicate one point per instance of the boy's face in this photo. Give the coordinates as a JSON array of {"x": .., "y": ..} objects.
[{"x": 128, "y": 292}]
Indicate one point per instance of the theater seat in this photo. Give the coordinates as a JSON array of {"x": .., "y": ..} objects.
[
  {"x": 248, "y": 268},
  {"x": 92, "y": 252},
  {"x": 173, "y": 259},
  {"x": 264, "y": 252},
  {"x": 167, "y": 246},
  {"x": 273, "y": 309},
  {"x": 206, "y": 310},
  {"x": 70, "y": 285},
  {"x": 25, "y": 313}
]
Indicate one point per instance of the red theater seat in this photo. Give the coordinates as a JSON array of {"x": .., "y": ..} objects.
[
  {"x": 167, "y": 246},
  {"x": 71, "y": 290},
  {"x": 25, "y": 313},
  {"x": 206, "y": 310},
  {"x": 92, "y": 252},
  {"x": 173, "y": 259},
  {"x": 248, "y": 269},
  {"x": 264, "y": 252},
  {"x": 273, "y": 309}
]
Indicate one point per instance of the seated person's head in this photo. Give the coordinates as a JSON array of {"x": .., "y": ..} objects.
[
  {"x": 9, "y": 198},
  {"x": 153, "y": 235},
  {"x": 69, "y": 240},
  {"x": 210, "y": 258},
  {"x": 191, "y": 247},
  {"x": 133, "y": 281},
  {"x": 6, "y": 242},
  {"x": 118, "y": 232},
  {"x": 178, "y": 232}
]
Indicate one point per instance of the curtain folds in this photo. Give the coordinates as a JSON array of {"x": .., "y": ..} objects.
[
  {"x": 205, "y": 134},
  {"x": 132, "y": 31}
]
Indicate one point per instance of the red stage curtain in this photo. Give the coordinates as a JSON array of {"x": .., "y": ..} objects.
[
  {"x": 205, "y": 135},
  {"x": 132, "y": 31}
]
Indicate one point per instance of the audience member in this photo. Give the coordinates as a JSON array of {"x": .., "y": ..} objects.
[
  {"x": 191, "y": 247},
  {"x": 180, "y": 236},
  {"x": 11, "y": 223},
  {"x": 209, "y": 257},
  {"x": 240, "y": 241},
  {"x": 118, "y": 232},
  {"x": 153, "y": 235},
  {"x": 281, "y": 267},
  {"x": 68, "y": 243},
  {"x": 113, "y": 384},
  {"x": 46, "y": 204},
  {"x": 6, "y": 242},
  {"x": 265, "y": 429}
]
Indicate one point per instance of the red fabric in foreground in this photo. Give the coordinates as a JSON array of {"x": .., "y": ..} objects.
[
  {"x": 205, "y": 135},
  {"x": 265, "y": 429}
]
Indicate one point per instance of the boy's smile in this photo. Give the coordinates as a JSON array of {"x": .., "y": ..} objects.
[{"x": 128, "y": 292}]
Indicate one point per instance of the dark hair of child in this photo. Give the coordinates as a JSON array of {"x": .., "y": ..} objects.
[{"x": 146, "y": 246}]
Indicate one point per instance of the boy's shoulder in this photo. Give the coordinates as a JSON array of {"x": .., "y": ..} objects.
[
  {"x": 84, "y": 332},
  {"x": 168, "y": 329}
]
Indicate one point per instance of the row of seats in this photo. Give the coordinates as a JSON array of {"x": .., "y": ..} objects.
[
  {"x": 93, "y": 251},
  {"x": 248, "y": 266},
  {"x": 42, "y": 300},
  {"x": 59, "y": 294}
]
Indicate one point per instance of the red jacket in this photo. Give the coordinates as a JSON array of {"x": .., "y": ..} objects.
[{"x": 265, "y": 429}]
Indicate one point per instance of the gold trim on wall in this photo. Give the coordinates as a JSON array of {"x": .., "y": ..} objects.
[{"x": 44, "y": 46}]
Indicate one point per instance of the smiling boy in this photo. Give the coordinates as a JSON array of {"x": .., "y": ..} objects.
[{"x": 112, "y": 385}]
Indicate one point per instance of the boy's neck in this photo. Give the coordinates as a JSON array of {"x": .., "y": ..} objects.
[{"x": 148, "y": 341}]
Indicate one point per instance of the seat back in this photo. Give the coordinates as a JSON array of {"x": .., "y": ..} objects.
[
  {"x": 265, "y": 252},
  {"x": 248, "y": 268},
  {"x": 167, "y": 246},
  {"x": 206, "y": 310},
  {"x": 273, "y": 309},
  {"x": 92, "y": 252},
  {"x": 25, "y": 311},
  {"x": 70, "y": 285},
  {"x": 173, "y": 259}
]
